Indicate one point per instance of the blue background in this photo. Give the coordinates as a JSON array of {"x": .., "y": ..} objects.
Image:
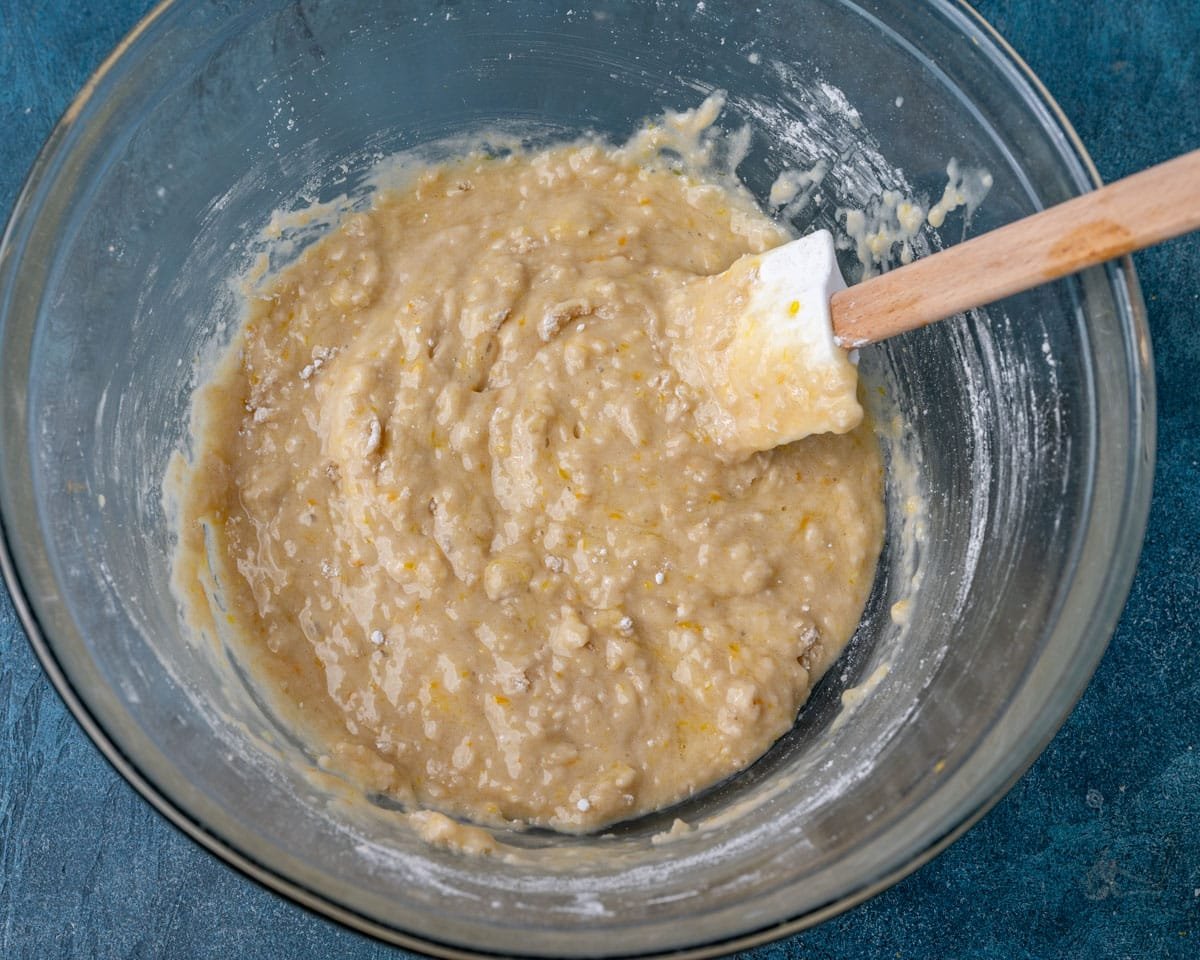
[{"x": 1095, "y": 853}]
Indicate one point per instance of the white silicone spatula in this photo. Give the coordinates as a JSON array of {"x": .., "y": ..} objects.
[{"x": 775, "y": 327}]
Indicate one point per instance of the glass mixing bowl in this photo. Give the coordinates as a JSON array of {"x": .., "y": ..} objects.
[{"x": 1028, "y": 439}]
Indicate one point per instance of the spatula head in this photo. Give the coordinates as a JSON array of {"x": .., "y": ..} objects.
[{"x": 759, "y": 347}]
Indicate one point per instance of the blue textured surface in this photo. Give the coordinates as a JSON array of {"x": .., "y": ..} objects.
[{"x": 1095, "y": 853}]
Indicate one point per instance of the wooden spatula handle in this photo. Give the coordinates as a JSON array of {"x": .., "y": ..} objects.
[{"x": 1139, "y": 211}]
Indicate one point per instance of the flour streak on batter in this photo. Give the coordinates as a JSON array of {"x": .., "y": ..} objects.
[{"x": 460, "y": 512}]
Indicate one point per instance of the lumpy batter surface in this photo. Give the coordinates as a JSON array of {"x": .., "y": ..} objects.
[{"x": 463, "y": 515}]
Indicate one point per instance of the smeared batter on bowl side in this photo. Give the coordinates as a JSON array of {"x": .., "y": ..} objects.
[{"x": 462, "y": 515}]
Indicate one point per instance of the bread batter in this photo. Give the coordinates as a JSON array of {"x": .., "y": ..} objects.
[{"x": 459, "y": 509}]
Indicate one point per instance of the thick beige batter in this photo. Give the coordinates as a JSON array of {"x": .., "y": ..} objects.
[{"x": 461, "y": 512}]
